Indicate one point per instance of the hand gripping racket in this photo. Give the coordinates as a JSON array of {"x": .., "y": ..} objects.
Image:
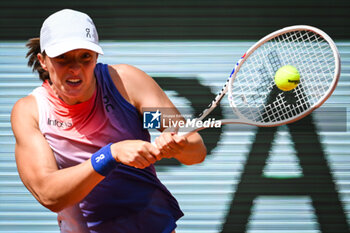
[{"x": 252, "y": 93}]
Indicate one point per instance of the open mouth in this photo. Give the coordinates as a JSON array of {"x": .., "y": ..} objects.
[{"x": 74, "y": 81}]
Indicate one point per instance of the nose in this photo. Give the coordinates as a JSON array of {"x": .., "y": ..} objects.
[{"x": 74, "y": 67}]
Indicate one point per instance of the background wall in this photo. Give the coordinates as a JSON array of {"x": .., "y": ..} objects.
[
  {"x": 180, "y": 19},
  {"x": 293, "y": 178}
]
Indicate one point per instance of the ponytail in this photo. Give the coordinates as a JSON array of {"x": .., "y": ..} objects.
[{"x": 33, "y": 62}]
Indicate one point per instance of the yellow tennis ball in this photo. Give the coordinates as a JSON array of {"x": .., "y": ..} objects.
[{"x": 287, "y": 78}]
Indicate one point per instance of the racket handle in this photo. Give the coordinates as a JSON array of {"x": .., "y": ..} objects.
[
  {"x": 187, "y": 133},
  {"x": 183, "y": 133}
]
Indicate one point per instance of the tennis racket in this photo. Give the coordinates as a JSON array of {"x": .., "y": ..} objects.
[{"x": 252, "y": 92}]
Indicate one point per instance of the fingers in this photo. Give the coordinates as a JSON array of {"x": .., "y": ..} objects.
[
  {"x": 146, "y": 155},
  {"x": 170, "y": 144},
  {"x": 135, "y": 153},
  {"x": 180, "y": 140},
  {"x": 155, "y": 152},
  {"x": 141, "y": 154},
  {"x": 149, "y": 153}
]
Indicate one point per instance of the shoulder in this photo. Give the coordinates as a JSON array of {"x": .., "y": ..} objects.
[
  {"x": 127, "y": 73},
  {"x": 24, "y": 111},
  {"x": 26, "y": 104},
  {"x": 134, "y": 84}
]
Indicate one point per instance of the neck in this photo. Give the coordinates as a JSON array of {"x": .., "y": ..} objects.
[{"x": 72, "y": 100}]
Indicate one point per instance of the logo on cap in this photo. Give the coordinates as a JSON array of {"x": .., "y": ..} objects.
[{"x": 88, "y": 32}]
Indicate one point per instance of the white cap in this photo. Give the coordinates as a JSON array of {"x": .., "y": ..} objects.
[{"x": 67, "y": 30}]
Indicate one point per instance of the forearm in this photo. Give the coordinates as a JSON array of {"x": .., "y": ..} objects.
[
  {"x": 62, "y": 188},
  {"x": 194, "y": 152}
]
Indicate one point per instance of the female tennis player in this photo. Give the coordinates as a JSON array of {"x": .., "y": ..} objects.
[{"x": 81, "y": 149}]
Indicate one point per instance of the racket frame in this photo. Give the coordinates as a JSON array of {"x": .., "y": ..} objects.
[
  {"x": 229, "y": 82},
  {"x": 241, "y": 118}
]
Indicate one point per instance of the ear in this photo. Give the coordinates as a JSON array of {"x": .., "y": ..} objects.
[{"x": 42, "y": 61}]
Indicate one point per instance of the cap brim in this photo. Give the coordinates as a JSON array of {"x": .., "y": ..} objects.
[{"x": 63, "y": 47}]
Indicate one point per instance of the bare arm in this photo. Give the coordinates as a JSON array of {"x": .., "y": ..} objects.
[
  {"x": 56, "y": 188},
  {"x": 143, "y": 92},
  {"x": 53, "y": 188}
]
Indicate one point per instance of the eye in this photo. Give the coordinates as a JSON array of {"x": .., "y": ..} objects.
[
  {"x": 86, "y": 55},
  {"x": 61, "y": 59}
]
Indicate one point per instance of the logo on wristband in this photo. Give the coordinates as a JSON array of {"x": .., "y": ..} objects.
[
  {"x": 99, "y": 158},
  {"x": 151, "y": 119}
]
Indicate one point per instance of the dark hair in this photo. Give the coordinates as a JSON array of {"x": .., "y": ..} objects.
[{"x": 33, "y": 62}]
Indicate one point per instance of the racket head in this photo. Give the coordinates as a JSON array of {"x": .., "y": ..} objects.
[{"x": 252, "y": 92}]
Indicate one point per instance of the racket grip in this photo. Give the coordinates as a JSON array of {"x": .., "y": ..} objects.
[
  {"x": 185, "y": 133},
  {"x": 181, "y": 133}
]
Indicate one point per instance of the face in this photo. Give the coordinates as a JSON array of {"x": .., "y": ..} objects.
[{"x": 72, "y": 74}]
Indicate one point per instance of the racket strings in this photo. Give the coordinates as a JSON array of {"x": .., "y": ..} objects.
[{"x": 254, "y": 94}]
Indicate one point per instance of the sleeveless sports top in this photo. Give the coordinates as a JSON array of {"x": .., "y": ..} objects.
[{"x": 128, "y": 200}]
